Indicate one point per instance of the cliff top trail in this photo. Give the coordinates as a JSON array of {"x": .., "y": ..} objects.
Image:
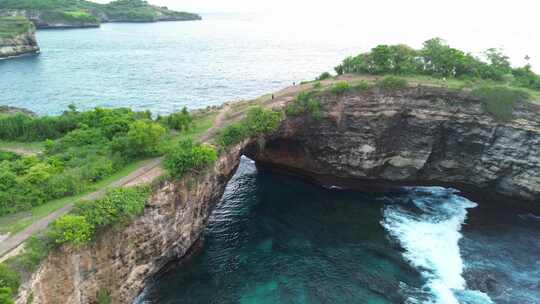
[
  {"x": 148, "y": 172},
  {"x": 228, "y": 113}
]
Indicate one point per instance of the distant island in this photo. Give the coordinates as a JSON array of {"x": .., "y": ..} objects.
[
  {"x": 81, "y": 13},
  {"x": 17, "y": 37}
]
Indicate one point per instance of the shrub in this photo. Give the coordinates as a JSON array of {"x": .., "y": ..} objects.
[
  {"x": 324, "y": 76},
  {"x": 340, "y": 88},
  {"x": 362, "y": 86},
  {"x": 258, "y": 121},
  {"x": 186, "y": 156},
  {"x": 305, "y": 102},
  {"x": 392, "y": 83},
  {"x": 117, "y": 206},
  {"x": 525, "y": 77},
  {"x": 500, "y": 101},
  {"x": 9, "y": 156},
  {"x": 179, "y": 121},
  {"x": 9, "y": 278},
  {"x": 317, "y": 85},
  {"x": 6, "y": 295},
  {"x": 141, "y": 140},
  {"x": 72, "y": 229},
  {"x": 437, "y": 59},
  {"x": 232, "y": 135}
]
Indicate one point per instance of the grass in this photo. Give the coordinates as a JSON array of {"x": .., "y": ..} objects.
[
  {"x": 201, "y": 123},
  {"x": 14, "y": 223},
  {"x": 13, "y": 26}
]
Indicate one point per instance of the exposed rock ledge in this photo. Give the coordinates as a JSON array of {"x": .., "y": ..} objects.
[
  {"x": 18, "y": 45},
  {"x": 418, "y": 135}
]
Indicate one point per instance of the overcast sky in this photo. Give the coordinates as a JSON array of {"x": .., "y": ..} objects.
[{"x": 472, "y": 25}]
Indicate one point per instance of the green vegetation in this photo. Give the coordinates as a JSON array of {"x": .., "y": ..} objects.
[
  {"x": 305, "y": 102},
  {"x": 84, "y": 12},
  {"x": 15, "y": 268},
  {"x": 89, "y": 147},
  {"x": 178, "y": 121},
  {"x": 258, "y": 121},
  {"x": 80, "y": 227},
  {"x": 72, "y": 229},
  {"x": 81, "y": 150},
  {"x": 340, "y": 88},
  {"x": 187, "y": 157},
  {"x": 392, "y": 83},
  {"x": 361, "y": 86},
  {"x": 437, "y": 59},
  {"x": 500, "y": 101},
  {"x": 324, "y": 76},
  {"x": 76, "y": 16},
  {"x": 104, "y": 296},
  {"x": 13, "y": 26},
  {"x": 13, "y": 223}
]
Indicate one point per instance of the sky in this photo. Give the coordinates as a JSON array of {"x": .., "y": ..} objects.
[{"x": 471, "y": 25}]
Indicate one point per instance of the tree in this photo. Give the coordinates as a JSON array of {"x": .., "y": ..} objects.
[
  {"x": 142, "y": 139},
  {"x": 186, "y": 156}
]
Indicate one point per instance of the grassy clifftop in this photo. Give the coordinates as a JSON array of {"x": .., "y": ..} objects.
[
  {"x": 13, "y": 26},
  {"x": 87, "y": 12}
]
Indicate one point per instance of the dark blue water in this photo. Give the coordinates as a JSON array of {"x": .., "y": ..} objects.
[{"x": 276, "y": 239}]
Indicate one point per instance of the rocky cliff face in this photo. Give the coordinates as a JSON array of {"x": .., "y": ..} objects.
[
  {"x": 20, "y": 44},
  {"x": 364, "y": 140},
  {"x": 123, "y": 259},
  {"x": 409, "y": 137}
]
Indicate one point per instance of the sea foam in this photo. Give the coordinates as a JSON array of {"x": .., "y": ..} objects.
[{"x": 428, "y": 228}]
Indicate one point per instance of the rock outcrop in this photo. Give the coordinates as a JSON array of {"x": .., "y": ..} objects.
[
  {"x": 415, "y": 136},
  {"x": 363, "y": 140},
  {"x": 20, "y": 43}
]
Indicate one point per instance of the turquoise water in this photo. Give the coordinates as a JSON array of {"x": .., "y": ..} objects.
[{"x": 277, "y": 239}]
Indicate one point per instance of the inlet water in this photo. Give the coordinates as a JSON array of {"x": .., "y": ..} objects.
[{"x": 276, "y": 239}]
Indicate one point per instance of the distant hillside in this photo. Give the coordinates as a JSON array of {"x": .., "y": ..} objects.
[{"x": 81, "y": 13}]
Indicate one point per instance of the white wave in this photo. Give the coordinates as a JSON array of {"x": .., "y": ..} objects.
[{"x": 429, "y": 231}]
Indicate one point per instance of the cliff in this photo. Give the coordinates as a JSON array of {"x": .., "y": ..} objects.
[
  {"x": 364, "y": 139},
  {"x": 122, "y": 260},
  {"x": 82, "y": 14},
  {"x": 17, "y": 37},
  {"x": 414, "y": 136}
]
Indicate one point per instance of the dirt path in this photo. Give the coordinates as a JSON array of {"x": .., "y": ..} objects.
[
  {"x": 19, "y": 151},
  {"x": 145, "y": 174},
  {"x": 218, "y": 124}
]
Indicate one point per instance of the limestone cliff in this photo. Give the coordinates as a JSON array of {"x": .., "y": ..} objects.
[
  {"x": 363, "y": 140},
  {"x": 415, "y": 136},
  {"x": 22, "y": 41},
  {"x": 123, "y": 259}
]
